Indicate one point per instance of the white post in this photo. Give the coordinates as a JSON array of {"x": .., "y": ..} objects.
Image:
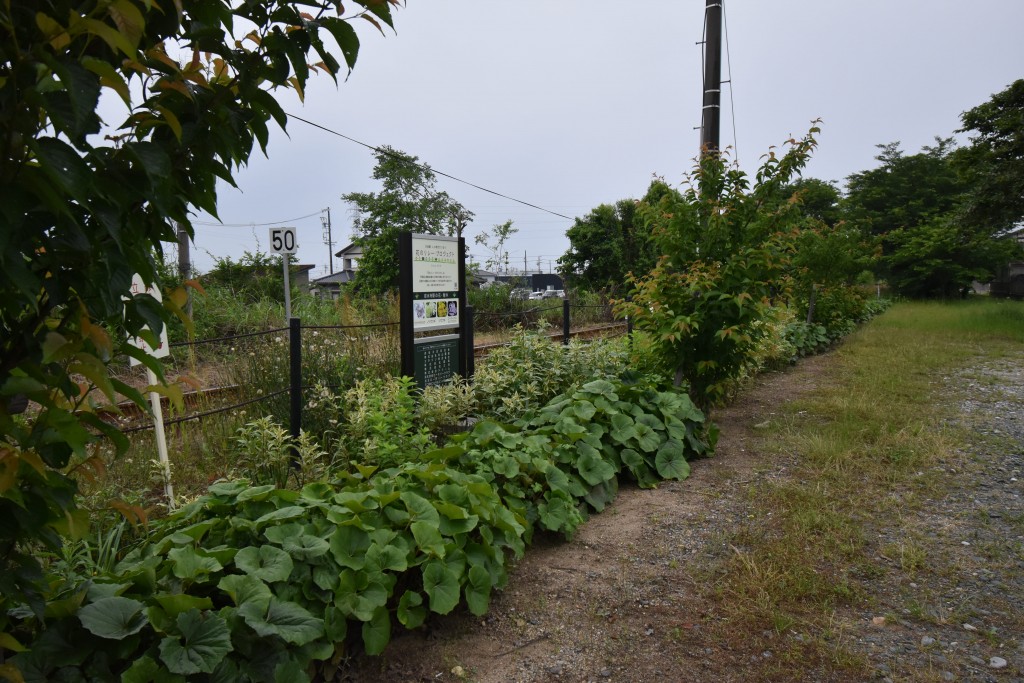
[{"x": 161, "y": 438}]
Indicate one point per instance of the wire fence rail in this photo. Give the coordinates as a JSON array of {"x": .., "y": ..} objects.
[{"x": 273, "y": 368}]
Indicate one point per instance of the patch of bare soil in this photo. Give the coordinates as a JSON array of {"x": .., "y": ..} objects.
[{"x": 619, "y": 602}]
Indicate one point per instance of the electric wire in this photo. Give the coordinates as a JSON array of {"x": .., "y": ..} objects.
[
  {"x": 258, "y": 225},
  {"x": 732, "y": 101},
  {"x": 423, "y": 166}
]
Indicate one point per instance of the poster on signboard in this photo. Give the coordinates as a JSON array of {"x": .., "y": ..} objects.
[{"x": 435, "y": 283}]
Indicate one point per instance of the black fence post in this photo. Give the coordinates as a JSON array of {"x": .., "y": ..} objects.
[
  {"x": 467, "y": 339},
  {"x": 566, "y": 327},
  {"x": 295, "y": 384},
  {"x": 629, "y": 325}
]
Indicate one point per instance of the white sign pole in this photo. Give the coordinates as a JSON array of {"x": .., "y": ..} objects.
[
  {"x": 282, "y": 241},
  {"x": 161, "y": 438},
  {"x": 139, "y": 287}
]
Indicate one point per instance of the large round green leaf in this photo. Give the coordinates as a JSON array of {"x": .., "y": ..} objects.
[
  {"x": 204, "y": 641},
  {"x": 670, "y": 461},
  {"x": 442, "y": 585},
  {"x": 113, "y": 618},
  {"x": 267, "y": 563},
  {"x": 377, "y": 632},
  {"x": 285, "y": 619}
]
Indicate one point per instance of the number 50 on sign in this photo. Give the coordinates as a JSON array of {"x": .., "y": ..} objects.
[{"x": 282, "y": 241}]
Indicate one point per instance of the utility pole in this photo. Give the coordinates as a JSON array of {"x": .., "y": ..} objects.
[
  {"x": 185, "y": 264},
  {"x": 328, "y": 240},
  {"x": 711, "y": 114}
]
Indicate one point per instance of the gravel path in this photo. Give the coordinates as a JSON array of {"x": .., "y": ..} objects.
[{"x": 628, "y": 598}]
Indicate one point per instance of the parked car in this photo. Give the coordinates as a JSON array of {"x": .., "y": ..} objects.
[
  {"x": 536, "y": 296},
  {"x": 553, "y": 294},
  {"x": 519, "y": 294}
]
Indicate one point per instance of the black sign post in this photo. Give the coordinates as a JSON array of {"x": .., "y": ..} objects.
[{"x": 432, "y": 297}]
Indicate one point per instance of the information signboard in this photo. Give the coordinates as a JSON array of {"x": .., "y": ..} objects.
[
  {"x": 432, "y": 289},
  {"x": 436, "y": 360},
  {"x": 435, "y": 283}
]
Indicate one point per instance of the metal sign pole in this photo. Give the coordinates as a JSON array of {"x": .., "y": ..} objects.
[{"x": 287, "y": 289}]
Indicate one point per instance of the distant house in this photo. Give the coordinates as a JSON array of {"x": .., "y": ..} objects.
[
  {"x": 299, "y": 275},
  {"x": 330, "y": 285},
  {"x": 535, "y": 282}
]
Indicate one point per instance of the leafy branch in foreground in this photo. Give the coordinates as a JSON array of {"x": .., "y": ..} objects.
[{"x": 82, "y": 212}]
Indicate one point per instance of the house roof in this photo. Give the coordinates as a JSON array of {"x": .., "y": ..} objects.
[
  {"x": 352, "y": 249},
  {"x": 338, "y": 278}
]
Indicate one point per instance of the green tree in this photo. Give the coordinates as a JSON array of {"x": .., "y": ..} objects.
[
  {"x": 819, "y": 199},
  {"x": 993, "y": 164},
  {"x": 409, "y": 201},
  {"x": 725, "y": 246},
  {"x": 914, "y": 206},
  {"x": 495, "y": 241},
  {"x": 83, "y": 211},
  {"x": 610, "y": 242}
]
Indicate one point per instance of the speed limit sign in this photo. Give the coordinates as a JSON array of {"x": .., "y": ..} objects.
[{"x": 282, "y": 241}]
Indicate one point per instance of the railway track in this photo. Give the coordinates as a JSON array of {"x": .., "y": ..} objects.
[{"x": 196, "y": 401}]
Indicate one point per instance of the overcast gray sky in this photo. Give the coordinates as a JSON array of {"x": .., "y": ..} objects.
[{"x": 568, "y": 104}]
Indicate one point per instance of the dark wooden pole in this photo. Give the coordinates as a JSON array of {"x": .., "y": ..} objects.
[{"x": 711, "y": 118}]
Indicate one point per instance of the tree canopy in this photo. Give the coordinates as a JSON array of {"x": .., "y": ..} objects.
[
  {"x": 993, "y": 164},
  {"x": 610, "y": 242},
  {"x": 408, "y": 201},
  {"x": 86, "y": 203}
]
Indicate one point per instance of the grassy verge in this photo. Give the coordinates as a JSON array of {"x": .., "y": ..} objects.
[{"x": 863, "y": 450}]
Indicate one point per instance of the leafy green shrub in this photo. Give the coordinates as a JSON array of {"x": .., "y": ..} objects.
[
  {"x": 267, "y": 454},
  {"x": 532, "y": 369},
  {"x": 379, "y": 423},
  {"x": 806, "y": 339},
  {"x": 262, "y": 583},
  {"x": 572, "y": 450}
]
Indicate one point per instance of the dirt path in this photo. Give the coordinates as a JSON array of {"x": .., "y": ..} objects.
[{"x": 617, "y": 602}]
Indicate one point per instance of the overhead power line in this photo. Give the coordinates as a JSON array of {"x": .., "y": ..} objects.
[
  {"x": 258, "y": 225},
  {"x": 424, "y": 167}
]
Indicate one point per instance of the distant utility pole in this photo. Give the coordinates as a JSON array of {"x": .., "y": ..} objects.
[
  {"x": 326, "y": 222},
  {"x": 185, "y": 264},
  {"x": 711, "y": 114}
]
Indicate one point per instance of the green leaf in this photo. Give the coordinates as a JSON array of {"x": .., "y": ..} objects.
[
  {"x": 593, "y": 468},
  {"x": 345, "y": 36},
  {"x": 428, "y": 538},
  {"x": 267, "y": 563},
  {"x": 647, "y": 439},
  {"x": 113, "y": 618},
  {"x": 441, "y": 585},
  {"x": 189, "y": 564},
  {"x": 478, "y": 590},
  {"x": 377, "y": 631},
  {"x": 174, "y": 605},
  {"x": 584, "y": 410},
  {"x": 147, "y": 670},
  {"x": 348, "y": 545},
  {"x": 420, "y": 509},
  {"x": 670, "y": 461},
  {"x": 289, "y": 512},
  {"x": 245, "y": 588},
  {"x": 284, "y": 619},
  {"x": 204, "y": 641},
  {"x": 411, "y": 612}
]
